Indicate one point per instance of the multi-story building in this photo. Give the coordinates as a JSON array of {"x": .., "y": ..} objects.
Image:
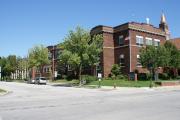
[
  {"x": 176, "y": 42},
  {"x": 49, "y": 70},
  {"x": 121, "y": 44}
]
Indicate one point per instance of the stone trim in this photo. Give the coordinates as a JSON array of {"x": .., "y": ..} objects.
[{"x": 133, "y": 27}]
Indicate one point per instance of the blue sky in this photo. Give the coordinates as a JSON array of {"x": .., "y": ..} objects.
[{"x": 25, "y": 23}]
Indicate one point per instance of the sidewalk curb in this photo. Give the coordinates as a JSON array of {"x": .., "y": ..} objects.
[{"x": 138, "y": 88}]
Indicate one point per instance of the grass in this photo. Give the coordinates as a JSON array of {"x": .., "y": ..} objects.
[
  {"x": 1, "y": 90},
  {"x": 122, "y": 83},
  {"x": 119, "y": 83},
  {"x": 63, "y": 81}
]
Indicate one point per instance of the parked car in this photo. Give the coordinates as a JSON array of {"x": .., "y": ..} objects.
[{"x": 41, "y": 80}]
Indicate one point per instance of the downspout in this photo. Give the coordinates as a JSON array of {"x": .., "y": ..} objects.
[{"x": 129, "y": 50}]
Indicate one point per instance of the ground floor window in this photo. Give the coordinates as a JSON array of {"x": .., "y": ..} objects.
[
  {"x": 138, "y": 64},
  {"x": 122, "y": 60}
]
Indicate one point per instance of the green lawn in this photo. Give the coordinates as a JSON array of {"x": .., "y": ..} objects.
[
  {"x": 65, "y": 81},
  {"x": 1, "y": 90},
  {"x": 122, "y": 83},
  {"x": 119, "y": 83}
]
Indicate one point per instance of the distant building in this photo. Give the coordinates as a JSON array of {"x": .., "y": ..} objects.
[
  {"x": 121, "y": 44},
  {"x": 49, "y": 70},
  {"x": 21, "y": 72}
]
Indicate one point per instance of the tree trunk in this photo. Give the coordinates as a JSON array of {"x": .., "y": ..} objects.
[
  {"x": 80, "y": 79},
  {"x": 41, "y": 71},
  {"x": 175, "y": 71}
]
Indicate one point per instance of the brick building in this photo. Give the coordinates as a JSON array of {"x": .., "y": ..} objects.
[
  {"x": 176, "y": 42},
  {"x": 121, "y": 44},
  {"x": 49, "y": 70}
]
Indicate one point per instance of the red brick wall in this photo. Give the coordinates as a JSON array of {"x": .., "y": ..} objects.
[
  {"x": 108, "y": 53},
  {"x": 135, "y": 49},
  {"x": 125, "y": 51},
  {"x": 176, "y": 42},
  {"x": 112, "y": 50}
]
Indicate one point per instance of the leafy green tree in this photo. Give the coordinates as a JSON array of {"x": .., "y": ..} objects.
[
  {"x": 38, "y": 56},
  {"x": 153, "y": 57},
  {"x": 22, "y": 65},
  {"x": 64, "y": 59},
  {"x": 174, "y": 56},
  {"x": 81, "y": 49},
  {"x": 8, "y": 66},
  {"x": 116, "y": 70}
]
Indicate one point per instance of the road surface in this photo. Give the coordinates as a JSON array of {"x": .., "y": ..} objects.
[{"x": 45, "y": 102}]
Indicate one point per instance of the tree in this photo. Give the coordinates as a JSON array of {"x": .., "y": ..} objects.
[
  {"x": 81, "y": 49},
  {"x": 38, "y": 56},
  {"x": 3, "y": 62},
  {"x": 153, "y": 57},
  {"x": 174, "y": 56},
  {"x": 8, "y": 65},
  {"x": 116, "y": 70},
  {"x": 22, "y": 66}
]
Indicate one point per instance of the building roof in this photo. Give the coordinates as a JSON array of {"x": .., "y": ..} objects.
[
  {"x": 176, "y": 42},
  {"x": 143, "y": 27}
]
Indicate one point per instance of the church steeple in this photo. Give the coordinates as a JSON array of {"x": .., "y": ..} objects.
[
  {"x": 163, "y": 18},
  {"x": 164, "y": 26}
]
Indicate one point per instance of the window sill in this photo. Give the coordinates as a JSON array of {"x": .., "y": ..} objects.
[{"x": 139, "y": 66}]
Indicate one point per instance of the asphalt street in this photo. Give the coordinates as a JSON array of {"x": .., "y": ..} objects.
[{"x": 45, "y": 102}]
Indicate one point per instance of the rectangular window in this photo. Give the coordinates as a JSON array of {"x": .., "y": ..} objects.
[
  {"x": 156, "y": 42},
  {"x": 138, "y": 61},
  {"x": 121, "y": 60},
  {"x": 121, "y": 40},
  {"x": 139, "y": 40},
  {"x": 149, "y": 41}
]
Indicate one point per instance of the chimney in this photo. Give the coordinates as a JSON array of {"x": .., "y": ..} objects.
[{"x": 147, "y": 20}]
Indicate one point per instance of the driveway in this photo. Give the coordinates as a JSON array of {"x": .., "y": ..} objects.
[{"x": 44, "y": 102}]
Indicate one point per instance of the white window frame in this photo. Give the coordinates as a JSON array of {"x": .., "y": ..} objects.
[
  {"x": 156, "y": 41},
  {"x": 149, "y": 40},
  {"x": 139, "y": 40},
  {"x": 138, "y": 64},
  {"x": 121, "y": 57},
  {"x": 119, "y": 40}
]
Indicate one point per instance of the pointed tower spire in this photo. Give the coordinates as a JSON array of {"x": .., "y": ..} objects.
[
  {"x": 163, "y": 18},
  {"x": 164, "y": 26}
]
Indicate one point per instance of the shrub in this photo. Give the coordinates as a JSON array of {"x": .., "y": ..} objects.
[
  {"x": 64, "y": 76},
  {"x": 148, "y": 76},
  {"x": 164, "y": 76},
  {"x": 88, "y": 78},
  {"x": 120, "y": 77},
  {"x": 178, "y": 77},
  {"x": 142, "y": 76},
  {"x": 115, "y": 70},
  {"x": 108, "y": 78}
]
